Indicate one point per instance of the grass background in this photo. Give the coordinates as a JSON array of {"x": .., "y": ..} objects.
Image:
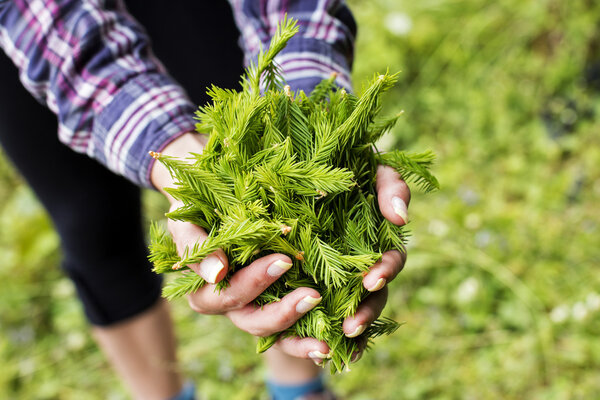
[{"x": 500, "y": 296}]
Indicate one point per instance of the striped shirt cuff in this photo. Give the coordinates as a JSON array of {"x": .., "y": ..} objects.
[{"x": 147, "y": 113}]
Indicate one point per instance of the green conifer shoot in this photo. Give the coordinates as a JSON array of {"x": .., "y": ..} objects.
[{"x": 291, "y": 173}]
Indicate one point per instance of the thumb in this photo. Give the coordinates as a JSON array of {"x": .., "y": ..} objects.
[{"x": 185, "y": 235}]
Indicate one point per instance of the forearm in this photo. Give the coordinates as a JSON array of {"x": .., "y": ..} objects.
[{"x": 93, "y": 67}]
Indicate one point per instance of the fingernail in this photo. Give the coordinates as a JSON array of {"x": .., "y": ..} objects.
[
  {"x": 210, "y": 268},
  {"x": 318, "y": 357},
  {"x": 356, "y": 356},
  {"x": 307, "y": 304},
  {"x": 278, "y": 268},
  {"x": 378, "y": 285},
  {"x": 358, "y": 331},
  {"x": 400, "y": 208}
]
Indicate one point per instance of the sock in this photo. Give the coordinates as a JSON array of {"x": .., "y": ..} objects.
[
  {"x": 292, "y": 392},
  {"x": 188, "y": 392}
]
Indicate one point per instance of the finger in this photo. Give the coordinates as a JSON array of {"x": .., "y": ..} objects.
[
  {"x": 385, "y": 270},
  {"x": 298, "y": 347},
  {"x": 369, "y": 310},
  {"x": 393, "y": 195},
  {"x": 244, "y": 286},
  {"x": 275, "y": 317},
  {"x": 185, "y": 234},
  {"x": 362, "y": 344}
]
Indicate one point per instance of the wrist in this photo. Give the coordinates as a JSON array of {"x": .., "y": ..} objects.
[{"x": 181, "y": 147}]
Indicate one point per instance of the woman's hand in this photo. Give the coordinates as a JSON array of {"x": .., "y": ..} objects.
[
  {"x": 393, "y": 196},
  {"x": 245, "y": 285}
]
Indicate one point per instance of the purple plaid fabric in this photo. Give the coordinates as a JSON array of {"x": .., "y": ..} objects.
[
  {"x": 90, "y": 62},
  {"x": 325, "y": 43}
]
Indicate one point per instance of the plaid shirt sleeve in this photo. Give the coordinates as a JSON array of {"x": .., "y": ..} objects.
[
  {"x": 324, "y": 44},
  {"x": 91, "y": 64}
]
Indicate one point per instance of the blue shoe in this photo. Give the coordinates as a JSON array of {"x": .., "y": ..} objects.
[{"x": 313, "y": 390}]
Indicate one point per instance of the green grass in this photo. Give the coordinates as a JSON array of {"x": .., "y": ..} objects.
[{"x": 500, "y": 293}]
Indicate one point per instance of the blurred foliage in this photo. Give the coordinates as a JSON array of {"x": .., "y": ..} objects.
[{"x": 499, "y": 295}]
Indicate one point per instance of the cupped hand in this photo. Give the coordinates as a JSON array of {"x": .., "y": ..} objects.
[
  {"x": 393, "y": 196},
  {"x": 236, "y": 300}
]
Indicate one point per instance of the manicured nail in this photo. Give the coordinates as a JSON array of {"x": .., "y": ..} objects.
[
  {"x": 307, "y": 304},
  {"x": 318, "y": 357},
  {"x": 378, "y": 285},
  {"x": 278, "y": 268},
  {"x": 210, "y": 268},
  {"x": 400, "y": 208},
  {"x": 358, "y": 331}
]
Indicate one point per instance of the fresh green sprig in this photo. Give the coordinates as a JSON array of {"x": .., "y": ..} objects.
[{"x": 290, "y": 173}]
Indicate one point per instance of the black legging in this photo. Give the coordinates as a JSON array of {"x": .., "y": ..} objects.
[{"x": 97, "y": 213}]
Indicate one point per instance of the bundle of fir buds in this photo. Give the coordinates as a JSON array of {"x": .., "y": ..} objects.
[{"x": 291, "y": 173}]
